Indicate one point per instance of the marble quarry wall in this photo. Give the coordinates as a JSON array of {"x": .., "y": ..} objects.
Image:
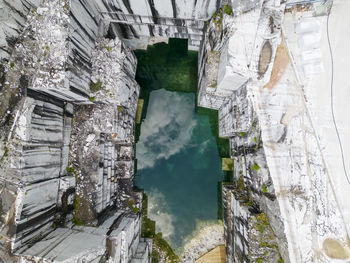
[
  {"x": 281, "y": 178},
  {"x": 139, "y": 22},
  {"x": 67, "y": 138},
  {"x": 238, "y": 48},
  {"x": 67, "y": 110},
  {"x": 253, "y": 228}
]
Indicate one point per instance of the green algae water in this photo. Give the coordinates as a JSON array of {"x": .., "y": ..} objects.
[{"x": 178, "y": 152}]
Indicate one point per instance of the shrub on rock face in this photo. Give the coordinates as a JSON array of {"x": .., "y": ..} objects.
[
  {"x": 228, "y": 10},
  {"x": 256, "y": 167},
  {"x": 264, "y": 188},
  {"x": 219, "y": 14},
  {"x": 94, "y": 87}
]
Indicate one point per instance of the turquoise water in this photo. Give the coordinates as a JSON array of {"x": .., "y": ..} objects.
[
  {"x": 178, "y": 151},
  {"x": 178, "y": 165}
]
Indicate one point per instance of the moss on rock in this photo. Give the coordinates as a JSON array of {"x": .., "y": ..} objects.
[{"x": 96, "y": 86}]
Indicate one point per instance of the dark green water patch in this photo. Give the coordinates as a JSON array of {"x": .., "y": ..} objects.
[
  {"x": 178, "y": 150},
  {"x": 169, "y": 66}
]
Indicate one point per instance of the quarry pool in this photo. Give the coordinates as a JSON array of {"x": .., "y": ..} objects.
[
  {"x": 178, "y": 152},
  {"x": 178, "y": 165}
]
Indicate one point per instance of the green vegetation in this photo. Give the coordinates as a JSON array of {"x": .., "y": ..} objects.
[
  {"x": 108, "y": 48},
  {"x": 77, "y": 221},
  {"x": 266, "y": 236},
  {"x": 250, "y": 197},
  {"x": 148, "y": 227},
  {"x": 70, "y": 169},
  {"x": 94, "y": 87},
  {"x": 264, "y": 188},
  {"x": 217, "y": 18},
  {"x": 130, "y": 204},
  {"x": 6, "y": 151},
  {"x": 240, "y": 183},
  {"x": 262, "y": 222},
  {"x": 243, "y": 191},
  {"x": 227, "y": 164},
  {"x": 219, "y": 14},
  {"x": 120, "y": 108},
  {"x": 92, "y": 99},
  {"x": 242, "y": 134},
  {"x": 139, "y": 110},
  {"x": 12, "y": 65},
  {"x": 280, "y": 260},
  {"x": 155, "y": 257},
  {"x": 161, "y": 244},
  {"x": 255, "y": 140},
  {"x": 227, "y": 9},
  {"x": 255, "y": 167},
  {"x": 259, "y": 260}
]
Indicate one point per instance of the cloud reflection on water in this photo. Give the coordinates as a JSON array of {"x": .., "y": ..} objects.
[
  {"x": 158, "y": 211},
  {"x": 178, "y": 166},
  {"x": 169, "y": 126}
]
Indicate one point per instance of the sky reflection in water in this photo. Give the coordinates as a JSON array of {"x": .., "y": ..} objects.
[{"x": 178, "y": 165}]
